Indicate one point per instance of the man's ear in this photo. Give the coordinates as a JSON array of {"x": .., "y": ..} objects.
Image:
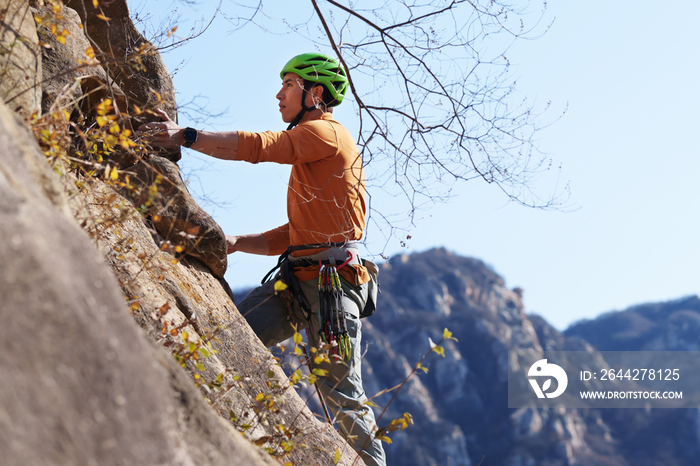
[{"x": 317, "y": 93}]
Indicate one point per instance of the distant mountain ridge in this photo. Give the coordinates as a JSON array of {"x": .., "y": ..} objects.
[
  {"x": 669, "y": 326},
  {"x": 460, "y": 405}
]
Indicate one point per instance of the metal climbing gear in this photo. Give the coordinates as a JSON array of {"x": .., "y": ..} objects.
[{"x": 333, "y": 328}]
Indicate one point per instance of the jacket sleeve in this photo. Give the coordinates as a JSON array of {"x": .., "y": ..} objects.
[
  {"x": 305, "y": 143},
  {"x": 277, "y": 240}
]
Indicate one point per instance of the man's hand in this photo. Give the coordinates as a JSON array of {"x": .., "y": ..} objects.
[
  {"x": 231, "y": 244},
  {"x": 165, "y": 133},
  {"x": 251, "y": 244}
]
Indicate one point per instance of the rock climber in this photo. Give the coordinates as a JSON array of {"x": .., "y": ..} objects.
[{"x": 328, "y": 286}]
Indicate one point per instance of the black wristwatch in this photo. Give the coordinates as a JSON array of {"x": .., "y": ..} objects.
[{"x": 190, "y": 136}]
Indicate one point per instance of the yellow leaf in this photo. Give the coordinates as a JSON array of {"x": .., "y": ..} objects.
[
  {"x": 447, "y": 335},
  {"x": 280, "y": 285},
  {"x": 61, "y": 39},
  {"x": 320, "y": 372},
  {"x": 90, "y": 52},
  {"x": 297, "y": 338},
  {"x": 114, "y": 175},
  {"x": 259, "y": 397},
  {"x": 336, "y": 458},
  {"x": 38, "y": 19},
  {"x": 103, "y": 17},
  {"x": 320, "y": 358},
  {"x": 384, "y": 438},
  {"x": 179, "y": 248},
  {"x": 94, "y": 3},
  {"x": 101, "y": 121},
  {"x": 104, "y": 107}
]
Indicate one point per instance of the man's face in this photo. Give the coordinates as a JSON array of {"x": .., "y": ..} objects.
[{"x": 290, "y": 96}]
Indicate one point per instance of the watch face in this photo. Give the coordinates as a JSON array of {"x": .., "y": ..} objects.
[{"x": 190, "y": 135}]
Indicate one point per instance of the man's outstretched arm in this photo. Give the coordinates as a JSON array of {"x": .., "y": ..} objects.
[{"x": 168, "y": 134}]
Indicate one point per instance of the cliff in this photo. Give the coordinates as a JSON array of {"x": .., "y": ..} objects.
[{"x": 109, "y": 265}]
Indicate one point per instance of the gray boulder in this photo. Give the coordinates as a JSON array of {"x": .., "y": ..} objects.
[{"x": 82, "y": 385}]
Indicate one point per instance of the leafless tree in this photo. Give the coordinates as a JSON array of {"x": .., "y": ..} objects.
[{"x": 434, "y": 89}]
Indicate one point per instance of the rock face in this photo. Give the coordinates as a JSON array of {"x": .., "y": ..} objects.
[
  {"x": 126, "y": 56},
  {"x": 86, "y": 384},
  {"x": 81, "y": 382}
]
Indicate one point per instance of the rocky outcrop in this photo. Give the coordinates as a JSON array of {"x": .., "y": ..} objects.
[
  {"x": 81, "y": 382},
  {"x": 129, "y": 59},
  {"x": 461, "y": 403},
  {"x": 88, "y": 386},
  {"x": 78, "y": 74}
]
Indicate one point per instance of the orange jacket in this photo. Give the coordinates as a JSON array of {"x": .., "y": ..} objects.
[{"x": 326, "y": 194}]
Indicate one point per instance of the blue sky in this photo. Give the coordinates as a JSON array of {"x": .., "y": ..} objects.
[{"x": 628, "y": 144}]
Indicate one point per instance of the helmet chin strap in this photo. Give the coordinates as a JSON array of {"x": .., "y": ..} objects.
[{"x": 304, "y": 109}]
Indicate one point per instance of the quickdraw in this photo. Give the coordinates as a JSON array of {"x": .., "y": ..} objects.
[{"x": 333, "y": 329}]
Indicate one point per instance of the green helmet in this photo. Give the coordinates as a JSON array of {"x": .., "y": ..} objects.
[{"x": 322, "y": 69}]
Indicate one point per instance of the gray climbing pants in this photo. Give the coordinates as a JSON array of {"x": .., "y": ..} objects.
[{"x": 341, "y": 388}]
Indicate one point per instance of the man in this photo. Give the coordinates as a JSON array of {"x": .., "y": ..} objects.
[{"x": 326, "y": 211}]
